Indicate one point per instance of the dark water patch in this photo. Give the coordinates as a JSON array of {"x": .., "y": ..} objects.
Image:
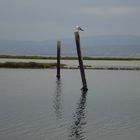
[{"x": 35, "y": 105}]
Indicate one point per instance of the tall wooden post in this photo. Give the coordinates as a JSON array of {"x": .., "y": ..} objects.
[
  {"x": 77, "y": 41},
  {"x": 58, "y": 58}
]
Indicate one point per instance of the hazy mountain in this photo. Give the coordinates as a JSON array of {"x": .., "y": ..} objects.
[{"x": 91, "y": 46}]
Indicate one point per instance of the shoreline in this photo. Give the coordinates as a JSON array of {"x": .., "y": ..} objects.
[
  {"x": 69, "y": 58},
  {"x": 37, "y": 65},
  {"x": 49, "y": 62}
]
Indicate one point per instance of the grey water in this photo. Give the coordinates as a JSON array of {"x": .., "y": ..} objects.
[
  {"x": 34, "y": 105},
  {"x": 68, "y": 50},
  {"x": 100, "y": 46}
]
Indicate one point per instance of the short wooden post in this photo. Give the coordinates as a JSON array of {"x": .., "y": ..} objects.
[
  {"x": 58, "y": 58},
  {"x": 77, "y": 40}
]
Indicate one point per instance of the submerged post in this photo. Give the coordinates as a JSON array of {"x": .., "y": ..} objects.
[
  {"x": 58, "y": 58},
  {"x": 81, "y": 66}
]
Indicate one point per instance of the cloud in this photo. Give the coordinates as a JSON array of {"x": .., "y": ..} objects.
[
  {"x": 40, "y": 19},
  {"x": 110, "y": 10}
]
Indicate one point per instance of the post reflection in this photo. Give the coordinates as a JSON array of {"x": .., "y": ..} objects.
[
  {"x": 57, "y": 99},
  {"x": 79, "y": 119}
]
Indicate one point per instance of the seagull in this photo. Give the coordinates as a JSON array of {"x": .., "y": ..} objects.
[{"x": 79, "y": 28}]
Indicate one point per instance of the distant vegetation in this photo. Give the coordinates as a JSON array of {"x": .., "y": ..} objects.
[
  {"x": 70, "y": 57},
  {"x": 26, "y": 57},
  {"x": 113, "y": 58},
  {"x": 28, "y": 65},
  {"x": 36, "y": 65}
]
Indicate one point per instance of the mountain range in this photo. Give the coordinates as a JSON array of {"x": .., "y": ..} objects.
[{"x": 125, "y": 46}]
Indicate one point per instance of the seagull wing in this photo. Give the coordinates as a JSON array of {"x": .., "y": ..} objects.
[{"x": 81, "y": 29}]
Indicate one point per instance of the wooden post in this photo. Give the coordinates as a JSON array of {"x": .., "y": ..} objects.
[
  {"x": 77, "y": 40},
  {"x": 58, "y": 58}
]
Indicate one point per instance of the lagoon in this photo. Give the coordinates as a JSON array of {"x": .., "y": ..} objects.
[{"x": 35, "y": 105}]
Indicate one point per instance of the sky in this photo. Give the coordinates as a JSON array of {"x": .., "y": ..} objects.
[{"x": 55, "y": 19}]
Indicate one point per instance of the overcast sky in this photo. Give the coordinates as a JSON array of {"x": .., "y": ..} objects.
[{"x": 56, "y": 19}]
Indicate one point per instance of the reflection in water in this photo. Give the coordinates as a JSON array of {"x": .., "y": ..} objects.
[
  {"x": 77, "y": 129},
  {"x": 57, "y": 99}
]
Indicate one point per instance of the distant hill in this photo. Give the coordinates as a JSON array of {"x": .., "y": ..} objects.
[
  {"x": 127, "y": 46},
  {"x": 113, "y": 40}
]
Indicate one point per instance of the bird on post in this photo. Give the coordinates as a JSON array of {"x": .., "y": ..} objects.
[{"x": 78, "y": 28}]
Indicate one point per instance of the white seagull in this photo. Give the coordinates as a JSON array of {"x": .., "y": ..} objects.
[{"x": 79, "y": 28}]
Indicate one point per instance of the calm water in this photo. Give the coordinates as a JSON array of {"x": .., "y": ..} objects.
[
  {"x": 34, "y": 105},
  {"x": 113, "y": 46}
]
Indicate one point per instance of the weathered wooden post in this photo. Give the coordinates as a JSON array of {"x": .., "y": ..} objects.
[
  {"x": 77, "y": 41},
  {"x": 58, "y": 58}
]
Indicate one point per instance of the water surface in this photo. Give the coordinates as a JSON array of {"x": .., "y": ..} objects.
[{"x": 34, "y": 105}]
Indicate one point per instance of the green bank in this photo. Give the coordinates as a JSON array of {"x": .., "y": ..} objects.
[
  {"x": 71, "y": 58},
  {"x": 29, "y": 65}
]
